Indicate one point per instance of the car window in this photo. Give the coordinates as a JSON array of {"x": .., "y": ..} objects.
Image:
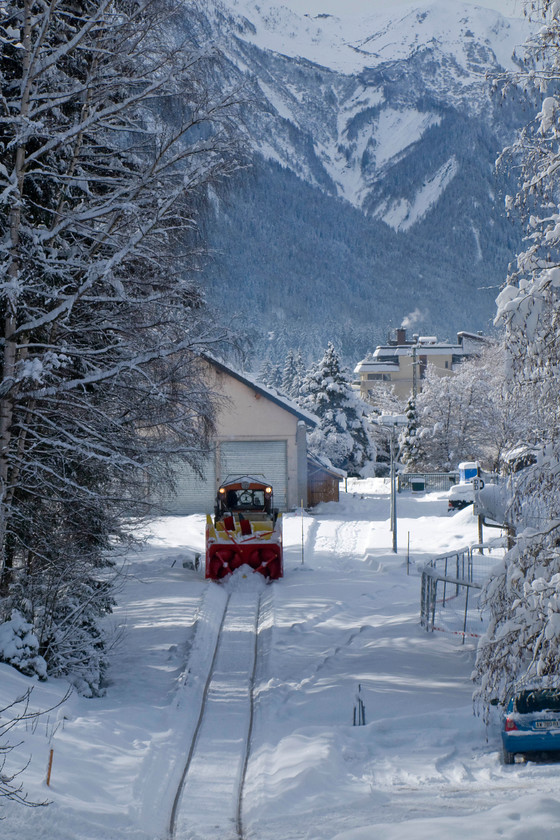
[{"x": 538, "y": 700}]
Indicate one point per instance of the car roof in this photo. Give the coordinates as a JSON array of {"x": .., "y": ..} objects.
[{"x": 547, "y": 681}]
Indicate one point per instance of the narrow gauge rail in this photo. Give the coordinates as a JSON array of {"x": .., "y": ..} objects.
[{"x": 209, "y": 799}]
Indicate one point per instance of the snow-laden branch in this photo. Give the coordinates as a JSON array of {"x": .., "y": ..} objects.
[{"x": 112, "y": 130}]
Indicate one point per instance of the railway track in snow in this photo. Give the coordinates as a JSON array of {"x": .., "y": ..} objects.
[{"x": 209, "y": 798}]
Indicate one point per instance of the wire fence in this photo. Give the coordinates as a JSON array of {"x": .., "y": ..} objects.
[
  {"x": 426, "y": 481},
  {"x": 450, "y": 589}
]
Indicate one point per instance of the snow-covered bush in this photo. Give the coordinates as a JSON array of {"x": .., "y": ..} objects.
[{"x": 19, "y": 646}]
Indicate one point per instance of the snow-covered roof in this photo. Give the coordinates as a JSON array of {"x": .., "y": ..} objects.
[
  {"x": 325, "y": 464},
  {"x": 440, "y": 349},
  {"x": 386, "y": 356},
  {"x": 376, "y": 367},
  {"x": 473, "y": 336},
  {"x": 269, "y": 394}
]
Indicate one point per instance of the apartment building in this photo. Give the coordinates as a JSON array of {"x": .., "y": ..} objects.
[{"x": 403, "y": 361}]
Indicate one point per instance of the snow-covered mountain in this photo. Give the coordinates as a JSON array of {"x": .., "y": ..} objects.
[{"x": 373, "y": 192}]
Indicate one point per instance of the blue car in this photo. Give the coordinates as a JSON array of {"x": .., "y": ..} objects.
[{"x": 532, "y": 721}]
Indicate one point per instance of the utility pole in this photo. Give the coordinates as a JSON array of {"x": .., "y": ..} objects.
[{"x": 393, "y": 421}]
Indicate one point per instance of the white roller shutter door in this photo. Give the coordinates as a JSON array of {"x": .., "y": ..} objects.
[
  {"x": 194, "y": 494},
  {"x": 259, "y": 458}
]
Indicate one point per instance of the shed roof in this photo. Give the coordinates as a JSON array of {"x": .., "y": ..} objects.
[{"x": 325, "y": 465}]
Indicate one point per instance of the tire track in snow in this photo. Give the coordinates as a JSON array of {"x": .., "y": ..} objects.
[{"x": 344, "y": 541}]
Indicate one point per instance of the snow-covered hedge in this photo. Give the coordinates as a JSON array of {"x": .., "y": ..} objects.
[{"x": 19, "y": 646}]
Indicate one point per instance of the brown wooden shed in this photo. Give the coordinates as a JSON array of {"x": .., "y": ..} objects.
[{"x": 323, "y": 481}]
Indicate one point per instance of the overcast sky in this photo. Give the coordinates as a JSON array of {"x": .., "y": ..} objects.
[{"x": 510, "y": 8}]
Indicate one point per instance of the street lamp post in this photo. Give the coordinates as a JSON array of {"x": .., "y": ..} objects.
[{"x": 393, "y": 421}]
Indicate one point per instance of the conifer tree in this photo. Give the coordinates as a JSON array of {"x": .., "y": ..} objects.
[
  {"x": 343, "y": 432},
  {"x": 293, "y": 374},
  {"x": 264, "y": 372},
  {"x": 289, "y": 374},
  {"x": 275, "y": 377},
  {"x": 299, "y": 376},
  {"x": 410, "y": 444}
]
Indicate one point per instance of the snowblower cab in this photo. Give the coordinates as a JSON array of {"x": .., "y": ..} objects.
[{"x": 246, "y": 530}]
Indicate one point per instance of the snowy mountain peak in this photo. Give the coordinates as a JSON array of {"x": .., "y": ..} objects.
[
  {"x": 379, "y": 86},
  {"x": 389, "y": 125},
  {"x": 348, "y": 44}
]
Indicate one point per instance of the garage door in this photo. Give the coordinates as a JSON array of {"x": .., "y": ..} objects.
[
  {"x": 267, "y": 458},
  {"x": 194, "y": 494}
]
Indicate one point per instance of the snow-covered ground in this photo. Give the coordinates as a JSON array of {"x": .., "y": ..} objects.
[{"x": 345, "y": 615}]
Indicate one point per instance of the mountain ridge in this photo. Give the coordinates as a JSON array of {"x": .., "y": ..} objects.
[{"x": 409, "y": 142}]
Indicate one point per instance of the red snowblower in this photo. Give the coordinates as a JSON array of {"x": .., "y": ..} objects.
[{"x": 246, "y": 530}]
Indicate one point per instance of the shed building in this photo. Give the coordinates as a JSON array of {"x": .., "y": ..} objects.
[
  {"x": 258, "y": 432},
  {"x": 323, "y": 482}
]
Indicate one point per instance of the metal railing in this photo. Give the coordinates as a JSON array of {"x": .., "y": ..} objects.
[
  {"x": 457, "y": 578},
  {"x": 426, "y": 481}
]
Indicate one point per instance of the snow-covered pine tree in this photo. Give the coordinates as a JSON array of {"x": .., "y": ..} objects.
[
  {"x": 523, "y": 600},
  {"x": 343, "y": 433},
  {"x": 410, "y": 447},
  {"x": 288, "y": 373},
  {"x": 109, "y": 133},
  {"x": 275, "y": 377},
  {"x": 299, "y": 376},
  {"x": 264, "y": 372},
  {"x": 293, "y": 374}
]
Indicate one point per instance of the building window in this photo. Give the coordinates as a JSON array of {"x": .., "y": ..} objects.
[{"x": 379, "y": 377}]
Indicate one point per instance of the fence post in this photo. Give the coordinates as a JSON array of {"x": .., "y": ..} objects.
[
  {"x": 423, "y": 610},
  {"x": 359, "y": 716},
  {"x": 49, "y": 767},
  {"x": 466, "y": 611},
  {"x": 408, "y": 555}
]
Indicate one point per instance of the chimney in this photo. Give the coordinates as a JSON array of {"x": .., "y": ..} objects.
[{"x": 401, "y": 335}]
